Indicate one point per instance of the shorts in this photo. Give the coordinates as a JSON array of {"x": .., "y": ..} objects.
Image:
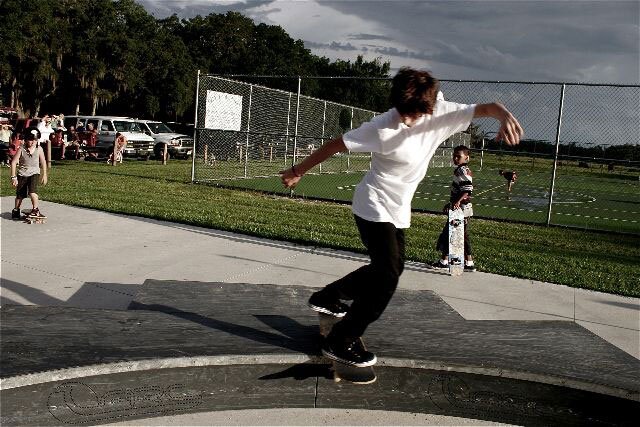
[{"x": 27, "y": 185}]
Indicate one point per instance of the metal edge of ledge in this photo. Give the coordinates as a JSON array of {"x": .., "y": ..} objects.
[{"x": 282, "y": 359}]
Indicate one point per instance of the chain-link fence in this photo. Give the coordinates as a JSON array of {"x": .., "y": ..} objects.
[{"x": 578, "y": 164}]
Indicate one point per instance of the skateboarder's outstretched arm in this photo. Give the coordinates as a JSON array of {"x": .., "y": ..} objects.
[{"x": 291, "y": 176}]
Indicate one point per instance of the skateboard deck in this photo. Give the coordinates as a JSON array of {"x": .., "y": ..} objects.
[
  {"x": 342, "y": 371},
  {"x": 456, "y": 242},
  {"x": 30, "y": 219},
  {"x": 37, "y": 220}
]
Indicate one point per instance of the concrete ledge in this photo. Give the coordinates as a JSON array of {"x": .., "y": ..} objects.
[
  {"x": 80, "y": 372},
  {"x": 142, "y": 394}
]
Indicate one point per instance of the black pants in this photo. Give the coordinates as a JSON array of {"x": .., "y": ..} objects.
[{"x": 372, "y": 286}]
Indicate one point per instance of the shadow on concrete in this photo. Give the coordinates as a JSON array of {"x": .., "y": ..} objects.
[{"x": 294, "y": 336}]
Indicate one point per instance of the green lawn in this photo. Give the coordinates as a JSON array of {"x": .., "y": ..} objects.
[
  {"x": 584, "y": 198},
  {"x": 585, "y": 259}
]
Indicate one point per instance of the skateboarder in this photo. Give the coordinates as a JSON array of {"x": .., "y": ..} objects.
[
  {"x": 510, "y": 176},
  {"x": 401, "y": 142},
  {"x": 30, "y": 160},
  {"x": 460, "y": 198}
]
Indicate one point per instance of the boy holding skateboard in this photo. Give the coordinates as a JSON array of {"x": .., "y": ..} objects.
[
  {"x": 401, "y": 142},
  {"x": 460, "y": 198},
  {"x": 30, "y": 160}
]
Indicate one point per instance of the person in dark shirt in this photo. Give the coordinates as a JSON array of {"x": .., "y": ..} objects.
[{"x": 510, "y": 176}]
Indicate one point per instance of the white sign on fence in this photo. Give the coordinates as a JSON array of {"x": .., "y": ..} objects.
[{"x": 223, "y": 111}]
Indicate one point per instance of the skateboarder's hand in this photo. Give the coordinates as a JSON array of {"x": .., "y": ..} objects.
[
  {"x": 43, "y": 180},
  {"x": 14, "y": 182},
  {"x": 510, "y": 129},
  {"x": 289, "y": 178}
]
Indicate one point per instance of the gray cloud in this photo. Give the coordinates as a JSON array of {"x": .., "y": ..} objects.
[
  {"x": 588, "y": 41},
  {"x": 368, "y": 37}
]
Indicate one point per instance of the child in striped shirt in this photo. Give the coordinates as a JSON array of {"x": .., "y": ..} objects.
[{"x": 460, "y": 198}]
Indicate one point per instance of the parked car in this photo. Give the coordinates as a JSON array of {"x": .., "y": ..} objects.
[
  {"x": 178, "y": 145},
  {"x": 139, "y": 144}
]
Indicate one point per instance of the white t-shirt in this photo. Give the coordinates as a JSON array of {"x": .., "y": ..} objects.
[
  {"x": 400, "y": 156},
  {"x": 45, "y": 131}
]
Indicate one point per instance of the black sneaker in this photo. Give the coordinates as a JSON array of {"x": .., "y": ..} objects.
[
  {"x": 15, "y": 213},
  {"x": 332, "y": 308},
  {"x": 439, "y": 264},
  {"x": 469, "y": 267},
  {"x": 349, "y": 352}
]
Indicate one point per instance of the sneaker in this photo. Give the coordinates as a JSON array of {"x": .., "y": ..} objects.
[
  {"x": 15, "y": 213},
  {"x": 332, "y": 308},
  {"x": 349, "y": 352},
  {"x": 35, "y": 213},
  {"x": 439, "y": 264},
  {"x": 469, "y": 267}
]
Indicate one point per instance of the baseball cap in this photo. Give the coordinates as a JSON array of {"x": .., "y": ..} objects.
[{"x": 31, "y": 134}]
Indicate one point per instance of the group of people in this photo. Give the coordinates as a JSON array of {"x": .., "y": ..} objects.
[{"x": 402, "y": 142}]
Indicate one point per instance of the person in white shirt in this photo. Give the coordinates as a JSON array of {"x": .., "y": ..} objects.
[
  {"x": 45, "y": 129},
  {"x": 401, "y": 142}
]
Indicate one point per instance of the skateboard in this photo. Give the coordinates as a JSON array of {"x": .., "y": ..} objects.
[
  {"x": 342, "y": 371},
  {"x": 31, "y": 219},
  {"x": 456, "y": 242}
]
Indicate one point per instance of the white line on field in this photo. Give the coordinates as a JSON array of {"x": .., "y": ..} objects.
[{"x": 490, "y": 189}]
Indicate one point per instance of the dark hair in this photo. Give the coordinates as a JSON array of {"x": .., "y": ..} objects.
[
  {"x": 414, "y": 91},
  {"x": 462, "y": 148}
]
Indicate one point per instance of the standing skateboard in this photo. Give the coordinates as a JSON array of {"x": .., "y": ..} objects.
[
  {"x": 342, "y": 371},
  {"x": 456, "y": 242}
]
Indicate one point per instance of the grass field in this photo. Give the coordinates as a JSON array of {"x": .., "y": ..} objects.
[
  {"x": 588, "y": 199},
  {"x": 584, "y": 259}
]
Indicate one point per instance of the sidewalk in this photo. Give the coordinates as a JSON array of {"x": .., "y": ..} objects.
[{"x": 93, "y": 259}]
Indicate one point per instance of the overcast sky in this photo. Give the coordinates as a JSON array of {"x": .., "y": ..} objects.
[{"x": 544, "y": 40}]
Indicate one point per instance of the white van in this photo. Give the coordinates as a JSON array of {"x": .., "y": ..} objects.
[
  {"x": 139, "y": 144},
  {"x": 178, "y": 144}
]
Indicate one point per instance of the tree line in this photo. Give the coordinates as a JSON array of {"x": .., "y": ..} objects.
[{"x": 113, "y": 57}]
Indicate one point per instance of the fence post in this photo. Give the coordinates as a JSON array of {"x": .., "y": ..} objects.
[
  {"x": 555, "y": 158},
  {"x": 349, "y": 152},
  {"x": 295, "y": 132},
  {"x": 195, "y": 131},
  {"x": 324, "y": 121},
  {"x": 286, "y": 138},
  {"x": 482, "y": 153},
  {"x": 246, "y": 150}
]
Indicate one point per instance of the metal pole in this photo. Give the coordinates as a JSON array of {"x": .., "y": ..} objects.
[
  {"x": 482, "y": 153},
  {"x": 295, "y": 134},
  {"x": 555, "y": 160},
  {"x": 195, "y": 131},
  {"x": 286, "y": 140},
  {"x": 324, "y": 120},
  {"x": 349, "y": 152},
  {"x": 246, "y": 150}
]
